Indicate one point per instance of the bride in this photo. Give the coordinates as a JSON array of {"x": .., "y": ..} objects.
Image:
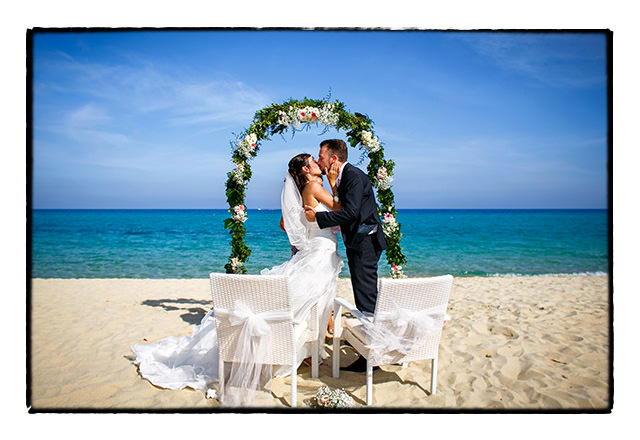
[{"x": 192, "y": 361}]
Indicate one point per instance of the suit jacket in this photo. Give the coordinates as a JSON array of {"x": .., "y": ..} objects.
[{"x": 359, "y": 209}]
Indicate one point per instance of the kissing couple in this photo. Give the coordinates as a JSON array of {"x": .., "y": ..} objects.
[
  {"x": 351, "y": 208},
  {"x": 311, "y": 217}
]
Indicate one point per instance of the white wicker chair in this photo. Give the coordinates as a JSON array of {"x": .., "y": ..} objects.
[
  {"x": 262, "y": 294},
  {"x": 409, "y": 294}
]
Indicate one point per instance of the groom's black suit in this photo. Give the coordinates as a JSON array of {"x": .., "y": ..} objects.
[{"x": 357, "y": 218}]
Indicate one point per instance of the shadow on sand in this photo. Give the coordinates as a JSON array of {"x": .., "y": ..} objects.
[{"x": 192, "y": 315}]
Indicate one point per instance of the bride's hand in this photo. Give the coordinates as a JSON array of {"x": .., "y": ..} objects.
[{"x": 332, "y": 173}]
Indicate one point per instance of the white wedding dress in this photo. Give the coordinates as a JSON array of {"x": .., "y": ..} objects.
[{"x": 192, "y": 361}]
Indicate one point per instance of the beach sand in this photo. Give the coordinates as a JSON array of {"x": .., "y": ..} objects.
[{"x": 512, "y": 343}]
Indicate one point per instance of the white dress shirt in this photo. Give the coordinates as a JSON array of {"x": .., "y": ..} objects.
[{"x": 340, "y": 174}]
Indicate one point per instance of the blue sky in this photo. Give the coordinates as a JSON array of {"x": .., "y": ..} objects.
[{"x": 472, "y": 120}]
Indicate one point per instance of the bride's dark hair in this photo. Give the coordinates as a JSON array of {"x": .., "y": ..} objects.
[{"x": 295, "y": 169}]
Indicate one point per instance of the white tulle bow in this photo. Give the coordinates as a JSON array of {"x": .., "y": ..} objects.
[
  {"x": 401, "y": 330},
  {"x": 404, "y": 320},
  {"x": 251, "y": 368},
  {"x": 256, "y": 324}
]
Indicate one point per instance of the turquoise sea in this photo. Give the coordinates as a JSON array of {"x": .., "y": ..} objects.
[{"x": 193, "y": 243}]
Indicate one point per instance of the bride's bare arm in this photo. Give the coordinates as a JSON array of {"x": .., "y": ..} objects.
[{"x": 314, "y": 193}]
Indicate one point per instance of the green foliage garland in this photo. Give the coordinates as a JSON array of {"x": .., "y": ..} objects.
[{"x": 296, "y": 114}]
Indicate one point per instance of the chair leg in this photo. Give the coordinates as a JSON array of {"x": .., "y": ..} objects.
[
  {"x": 337, "y": 334},
  {"x": 294, "y": 383},
  {"x": 434, "y": 373},
  {"x": 314, "y": 323},
  {"x": 315, "y": 357},
  {"x": 336, "y": 356},
  {"x": 369, "y": 382},
  {"x": 221, "y": 377}
]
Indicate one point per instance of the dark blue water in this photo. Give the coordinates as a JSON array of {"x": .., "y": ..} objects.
[{"x": 193, "y": 243}]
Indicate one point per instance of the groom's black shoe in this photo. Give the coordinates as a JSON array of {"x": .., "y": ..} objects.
[{"x": 359, "y": 366}]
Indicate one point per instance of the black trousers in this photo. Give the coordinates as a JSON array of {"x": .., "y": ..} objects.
[{"x": 363, "y": 266}]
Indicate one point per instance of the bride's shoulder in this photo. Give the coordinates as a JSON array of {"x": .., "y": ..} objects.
[{"x": 312, "y": 186}]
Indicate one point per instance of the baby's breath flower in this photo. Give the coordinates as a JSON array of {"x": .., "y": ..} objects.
[
  {"x": 238, "y": 173},
  {"x": 296, "y": 116},
  {"x": 370, "y": 142},
  {"x": 247, "y": 146},
  {"x": 327, "y": 116},
  {"x": 383, "y": 179},
  {"x": 327, "y": 398}
]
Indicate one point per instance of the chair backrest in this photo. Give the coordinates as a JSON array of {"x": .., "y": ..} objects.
[
  {"x": 415, "y": 294},
  {"x": 261, "y": 293}
]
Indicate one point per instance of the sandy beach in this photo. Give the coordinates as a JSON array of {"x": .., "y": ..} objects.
[{"x": 512, "y": 343}]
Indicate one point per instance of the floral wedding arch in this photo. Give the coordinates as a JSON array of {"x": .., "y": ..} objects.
[{"x": 295, "y": 114}]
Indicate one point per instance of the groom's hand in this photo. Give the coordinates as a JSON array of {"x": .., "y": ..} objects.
[{"x": 310, "y": 213}]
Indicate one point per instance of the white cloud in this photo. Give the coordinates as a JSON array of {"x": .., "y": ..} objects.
[
  {"x": 90, "y": 124},
  {"x": 217, "y": 101},
  {"x": 88, "y": 115},
  {"x": 558, "y": 60},
  {"x": 502, "y": 162},
  {"x": 144, "y": 88}
]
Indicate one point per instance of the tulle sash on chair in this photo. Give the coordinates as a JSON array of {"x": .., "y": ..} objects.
[
  {"x": 251, "y": 369},
  {"x": 400, "y": 331}
]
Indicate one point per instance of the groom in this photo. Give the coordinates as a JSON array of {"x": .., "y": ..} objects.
[{"x": 358, "y": 220}]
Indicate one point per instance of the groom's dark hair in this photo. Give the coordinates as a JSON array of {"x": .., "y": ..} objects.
[{"x": 337, "y": 147}]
